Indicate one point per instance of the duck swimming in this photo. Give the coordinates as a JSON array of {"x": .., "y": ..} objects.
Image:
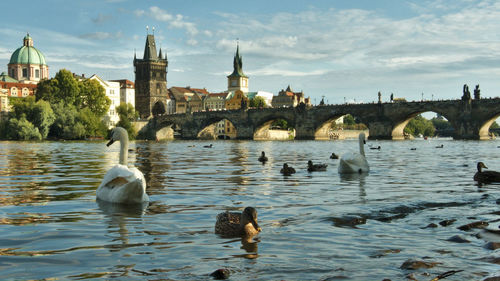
[
  {"x": 244, "y": 224},
  {"x": 486, "y": 176},
  {"x": 263, "y": 157},
  {"x": 122, "y": 184},
  {"x": 334, "y": 156},
  {"x": 315, "y": 167},
  {"x": 287, "y": 170},
  {"x": 378, "y": 147}
]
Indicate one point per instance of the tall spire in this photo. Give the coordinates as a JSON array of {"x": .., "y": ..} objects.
[
  {"x": 237, "y": 63},
  {"x": 160, "y": 55},
  {"x": 150, "y": 48}
]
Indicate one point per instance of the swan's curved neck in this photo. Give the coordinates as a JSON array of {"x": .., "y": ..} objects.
[
  {"x": 123, "y": 150},
  {"x": 362, "y": 147}
]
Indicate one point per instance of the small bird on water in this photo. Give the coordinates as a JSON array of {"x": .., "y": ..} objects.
[
  {"x": 315, "y": 167},
  {"x": 243, "y": 224},
  {"x": 287, "y": 170},
  {"x": 263, "y": 157},
  {"x": 334, "y": 156}
]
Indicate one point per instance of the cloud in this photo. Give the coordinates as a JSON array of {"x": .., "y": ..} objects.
[
  {"x": 101, "y": 18},
  {"x": 102, "y": 35},
  {"x": 174, "y": 21}
]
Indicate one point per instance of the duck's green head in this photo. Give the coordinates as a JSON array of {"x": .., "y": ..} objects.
[
  {"x": 481, "y": 165},
  {"x": 249, "y": 215}
]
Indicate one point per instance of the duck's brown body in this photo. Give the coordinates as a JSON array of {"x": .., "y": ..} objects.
[
  {"x": 486, "y": 176},
  {"x": 231, "y": 224},
  {"x": 287, "y": 170}
]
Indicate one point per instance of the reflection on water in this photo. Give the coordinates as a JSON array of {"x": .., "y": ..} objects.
[{"x": 316, "y": 226}]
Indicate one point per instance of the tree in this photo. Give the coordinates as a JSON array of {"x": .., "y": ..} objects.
[
  {"x": 39, "y": 113},
  {"x": 93, "y": 96},
  {"x": 281, "y": 124},
  {"x": 127, "y": 114},
  {"x": 63, "y": 87},
  {"x": 258, "y": 102},
  {"x": 21, "y": 129},
  {"x": 420, "y": 125}
]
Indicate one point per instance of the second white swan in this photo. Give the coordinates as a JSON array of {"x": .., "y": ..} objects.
[
  {"x": 122, "y": 184},
  {"x": 353, "y": 162}
]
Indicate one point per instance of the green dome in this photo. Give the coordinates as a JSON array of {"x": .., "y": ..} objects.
[{"x": 27, "y": 55}]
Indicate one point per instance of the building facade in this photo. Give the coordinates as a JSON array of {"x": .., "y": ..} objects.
[
  {"x": 127, "y": 91},
  {"x": 151, "y": 81},
  {"x": 27, "y": 64},
  {"x": 112, "y": 90},
  {"x": 289, "y": 98}
]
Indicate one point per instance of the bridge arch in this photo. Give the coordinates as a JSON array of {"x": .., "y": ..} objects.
[
  {"x": 217, "y": 126},
  {"x": 484, "y": 128},
  {"x": 262, "y": 129},
  {"x": 398, "y": 129}
]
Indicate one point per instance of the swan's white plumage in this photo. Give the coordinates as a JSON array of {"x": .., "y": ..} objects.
[
  {"x": 354, "y": 162},
  {"x": 122, "y": 184}
]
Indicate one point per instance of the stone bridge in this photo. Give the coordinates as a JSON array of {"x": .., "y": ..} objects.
[{"x": 470, "y": 119}]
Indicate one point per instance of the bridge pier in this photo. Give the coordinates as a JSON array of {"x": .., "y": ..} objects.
[{"x": 380, "y": 130}]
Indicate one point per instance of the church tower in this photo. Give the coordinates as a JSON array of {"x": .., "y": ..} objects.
[
  {"x": 151, "y": 81},
  {"x": 237, "y": 80}
]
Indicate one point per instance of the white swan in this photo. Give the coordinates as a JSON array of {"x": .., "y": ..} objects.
[
  {"x": 122, "y": 184},
  {"x": 355, "y": 162}
]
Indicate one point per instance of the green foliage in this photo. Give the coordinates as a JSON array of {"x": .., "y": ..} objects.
[
  {"x": 63, "y": 87},
  {"x": 494, "y": 125},
  {"x": 82, "y": 94},
  {"x": 73, "y": 124},
  {"x": 127, "y": 115},
  {"x": 258, "y": 102},
  {"x": 21, "y": 129},
  {"x": 281, "y": 124},
  {"x": 349, "y": 120},
  {"x": 420, "y": 125},
  {"x": 93, "y": 96},
  {"x": 441, "y": 124},
  {"x": 350, "y": 123},
  {"x": 39, "y": 113}
]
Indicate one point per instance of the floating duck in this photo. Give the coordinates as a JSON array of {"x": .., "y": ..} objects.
[
  {"x": 334, "y": 156},
  {"x": 486, "y": 176},
  {"x": 263, "y": 157},
  {"x": 378, "y": 147},
  {"x": 413, "y": 148},
  {"x": 243, "y": 224},
  {"x": 315, "y": 167},
  {"x": 286, "y": 170},
  {"x": 440, "y": 146},
  {"x": 208, "y": 146}
]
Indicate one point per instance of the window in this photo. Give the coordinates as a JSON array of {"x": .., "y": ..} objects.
[
  {"x": 37, "y": 73},
  {"x": 13, "y": 91},
  {"x": 25, "y": 92},
  {"x": 25, "y": 72},
  {"x": 233, "y": 83},
  {"x": 12, "y": 72}
]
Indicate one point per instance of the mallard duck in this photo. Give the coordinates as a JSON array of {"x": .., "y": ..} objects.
[
  {"x": 208, "y": 146},
  {"x": 315, "y": 167},
  {"x": 334, "y": 156},
  {"x": 244, "y": 224},
  {"x": 287, "y": 170},
  {"x": 122, "y": 184},
  {"x": 263, "y": 157},
  {"x": 377, "y": 147},
  {"x": 440, "y": 146},
  {"x": 355, "y": 162},
  {"x": 486, "y": 176}
]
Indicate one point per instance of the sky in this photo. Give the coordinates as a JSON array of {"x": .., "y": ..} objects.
[{"x": 344, "y": 51}]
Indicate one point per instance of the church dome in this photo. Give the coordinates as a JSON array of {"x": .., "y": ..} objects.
[{"x": 27, "y": 54}]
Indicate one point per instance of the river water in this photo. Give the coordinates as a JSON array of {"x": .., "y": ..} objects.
[{"x": 316, "y": 226}]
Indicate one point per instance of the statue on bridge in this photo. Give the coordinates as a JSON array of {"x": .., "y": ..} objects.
[
  {"x": 379, "y": 97},
  {"x": 477, "y": 92},
  {"x": 466, "y": 96}
]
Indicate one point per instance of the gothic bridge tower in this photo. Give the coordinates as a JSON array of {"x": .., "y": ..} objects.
[{"x": 151, "y": 81}]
